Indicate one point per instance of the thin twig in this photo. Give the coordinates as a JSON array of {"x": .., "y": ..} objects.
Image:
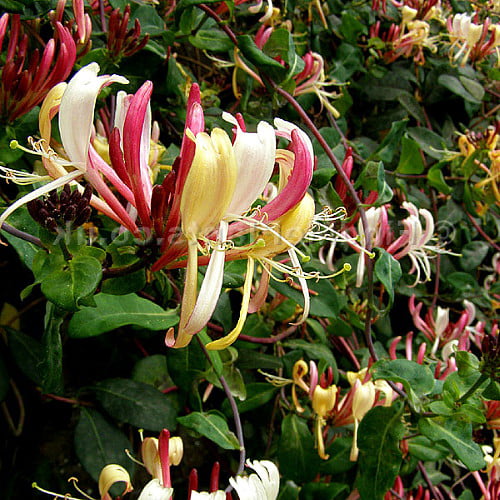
[
  {"x": 236, "y": 414},
  {"x": 269, "y": 340},
  {"x": 482, "y": 233},
  {"x": 21, "y": 234},
  {"x": 326, "y": 148},
  {"x": 435, "y": 493}
]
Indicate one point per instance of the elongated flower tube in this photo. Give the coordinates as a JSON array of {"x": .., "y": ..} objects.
[
  {"x": 129, "y": 172},
  {"x": 206, "y": 196},
  {"x": 27, "y": 76}
]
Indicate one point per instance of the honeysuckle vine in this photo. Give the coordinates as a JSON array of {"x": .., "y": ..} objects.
[{"x": 213, "y": 256}]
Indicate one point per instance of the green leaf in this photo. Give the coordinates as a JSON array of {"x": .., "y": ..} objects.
[
  {"x": 213, "y": 426},
  {"x": 436, "y": 178},
  {"x": 23, "y": 221},
  {"x": 138, "y": 404},
  {"x": 314, "y": 351},
  {"x": 98, "y": 443},
  {"x": 429, "y": 141},
  {"x": 410, "y": 161},
  {"x": 68, "y": 287},
  {"x": 422, "y": 448},
  {"x": 280, "y": 44},
  {"x": 390, "y": 143},
  {"x": 289, "y": 491},
  {"x": 473, "y": 87},
  {"x": 492, "y": 391},
  {"x": 152, "y": 370},
  {"x": 322, "y": 491},
  {"x": 297, "y": 457},
  {"x": 388, "y": 271},
  {"x": 473, "y": 254},
  {"x": 28, "y": 354},
  {"x": 453, "y": 84},
  {"x": 114, "y": 311},
  {"x": 417, "y": 380},
  {"x": 51, "y": 367},
  {"x": 150, "y": 21},
  {"x": 213, "y": 39},
  {"x": 412, "y": 106},
  {"x": 258, "y": 394},
  {"x": 339, "y": 461},
  {"x": 380, "y": 458},
  {"x": 267, "y": 65},
  {"x": 457, "y": 435}
]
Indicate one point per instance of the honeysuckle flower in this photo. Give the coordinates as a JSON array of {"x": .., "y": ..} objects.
[
  {"x": 438, "y": 329},
  {"x": 110, "y": 475},
  {"x": 416, "y": 241},
  {"x": 264, "y": 485},
  {"x": 470, "y": 41},
  {"x": 129, "y": 147},
  {"x": 363, "y": 401},
  {"x": 210, "y": 218},
  {"x": 321, "y": 392},
  {"x": 26, "y": 75}
]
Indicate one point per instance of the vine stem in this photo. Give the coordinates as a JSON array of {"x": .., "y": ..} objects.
[
  {"x": 434, "y": 492},
  {"x": 269, "y": 340},
  {"x": 234, "y": 408},
  {"x": 21, "y": 234},
  {"x": 368, "y": 245}
]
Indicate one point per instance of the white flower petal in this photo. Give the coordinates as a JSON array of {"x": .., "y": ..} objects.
[
  {"x": 211, "y": 286},
  {"x": 76, "y": 113},
  {"x": 255, "y": 155},
  {"x": 155, "y": 491}
]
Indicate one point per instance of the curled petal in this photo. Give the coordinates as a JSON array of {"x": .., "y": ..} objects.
[{"x": 110, "y": 475}]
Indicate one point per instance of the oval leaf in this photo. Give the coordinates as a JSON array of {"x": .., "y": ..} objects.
[
  {"x": 138, "y": 404},
  {"x": 114, "y": 311},
  {"x": 98, "y": 443},
  {"x": 213, "y": 427}
]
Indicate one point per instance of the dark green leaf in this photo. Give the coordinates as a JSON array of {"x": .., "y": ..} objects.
[
  {"x": 410, "y": 161},
  {"x": 380, "y": 458},
  {"x": 98, "y": 443},
  {"x": 213, "y": 426},
  {"x": 339, "y": 452},
  {"x": 473, "y": 254},
  {"x": 412, "y": 106},
  {"x": 428, "y": 140},
  {"x": 391, "y": 142},
  {"x": 51, "y": 368},
  {"x": 22, "y": 220},
  {"x": 114, "y": 311},
  {"x": 28, "y": 354},
  {"x": 426, "y": 450},
  {"x": 457, "y": 435},
  {"x": 416, "y": 379},
  {"x": 298, "y": 459},
  {"x": 453, "y": 84},
  {"x": 68, "y": 287},
  {"x": 212, "y": 39},
  {"x": 138, "y": 404},
  {"x": 388, "y": 271},
  {"x": 264, "y": 63},
  {"x": 258, "y": 394},
  {"x": 322, "y": 491}
]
